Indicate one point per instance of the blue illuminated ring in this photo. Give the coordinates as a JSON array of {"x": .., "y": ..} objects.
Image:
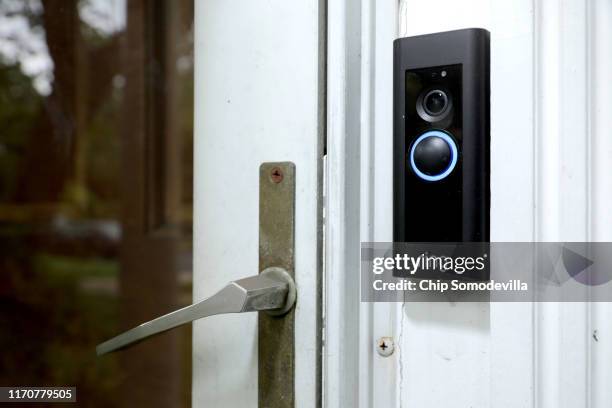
[{"x": 449, "y": 141}]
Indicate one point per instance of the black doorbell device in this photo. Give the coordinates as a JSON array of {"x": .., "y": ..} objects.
[{"x": 441, "y": 137}]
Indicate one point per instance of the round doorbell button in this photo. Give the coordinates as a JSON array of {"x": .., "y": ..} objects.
[{"x": 433, "y": 155}]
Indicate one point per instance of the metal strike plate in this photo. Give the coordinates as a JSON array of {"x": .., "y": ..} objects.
[{"x": 276, "y": 250}]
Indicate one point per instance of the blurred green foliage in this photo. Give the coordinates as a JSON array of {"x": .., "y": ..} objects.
[{"x": 20, "y": 105}]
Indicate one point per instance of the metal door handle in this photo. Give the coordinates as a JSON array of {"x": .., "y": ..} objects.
[{"x": 272, "y": 290}]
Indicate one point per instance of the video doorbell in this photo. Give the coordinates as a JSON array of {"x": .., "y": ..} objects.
[{"x": 441, "y": 137}]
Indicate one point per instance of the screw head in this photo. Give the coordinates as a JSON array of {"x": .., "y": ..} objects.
[
  {"x": 385, "y": 346},
  {"x": 276, "y": 175}
]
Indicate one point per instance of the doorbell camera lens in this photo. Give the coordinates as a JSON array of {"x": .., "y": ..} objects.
[
  {"x": 435, "y": 102},
  {"x": 434, "y": 105}
]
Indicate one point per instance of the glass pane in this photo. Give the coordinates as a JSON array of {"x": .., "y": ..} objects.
[{"x": 96, "y": 108}]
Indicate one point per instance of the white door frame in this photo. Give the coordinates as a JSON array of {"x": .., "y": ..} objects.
[{"x": 551, "y": 180}]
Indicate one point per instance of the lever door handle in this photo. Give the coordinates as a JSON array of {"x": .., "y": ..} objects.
[{"x": 273, "y": 290}]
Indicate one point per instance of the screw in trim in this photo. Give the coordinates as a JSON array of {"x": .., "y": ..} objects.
[
  {"x": 385, "y": 346},
  {"x": 276, "y": 175}
]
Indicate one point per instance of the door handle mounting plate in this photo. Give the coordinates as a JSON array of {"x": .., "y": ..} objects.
[{"x": 276, "y": 250}]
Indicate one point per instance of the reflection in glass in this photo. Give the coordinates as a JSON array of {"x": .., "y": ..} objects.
[{"x": 95, "y": 195}]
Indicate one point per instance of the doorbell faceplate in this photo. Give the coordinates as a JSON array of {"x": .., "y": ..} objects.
[{"x": 441, "y": 137}]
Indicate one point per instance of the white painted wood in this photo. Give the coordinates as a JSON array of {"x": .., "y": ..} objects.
[
  {"x": 600, "y": 154},
  {"x": 257, "y": 99},
  {"x": 512, "y": 194},
  {"x": 341, "y": 351},
  {"x": 385, "y": 381},
  {"x": 562, "y": 338},
  {"x": 600, "y": 119},
  {"x": 359, "y": 138},
  {"x": 365, "y": 334}
]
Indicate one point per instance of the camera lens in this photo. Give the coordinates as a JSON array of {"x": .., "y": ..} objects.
[
  {"x": 435, "y": 105},
  {"x": 435, "y": 102}
]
